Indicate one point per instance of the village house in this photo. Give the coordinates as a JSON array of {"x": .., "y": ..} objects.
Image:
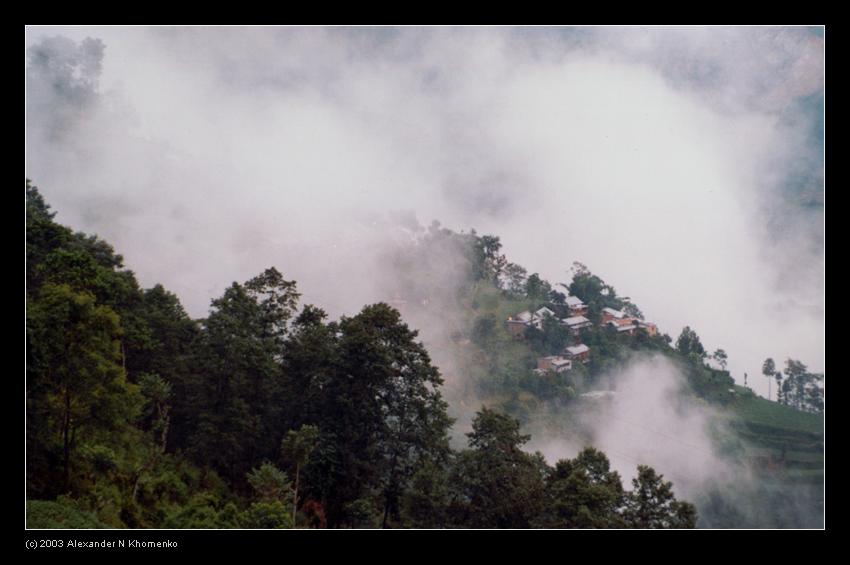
[
  {"x": 576, "y": 323},
  {"x": 578, "y": 352},
  {"x": 517, "y": 324},
  {"x": 540, "y": 315},
  {"x": 516, "y": 327},
  {"x": 650, "y": 328},
  {"x": 554, "y": 363},
  {"x": 624, "y": 325},
  {"x": 612, "y": 318},
  {"x": 609, "y": 314},
  {"x": 576, "y": 306}
]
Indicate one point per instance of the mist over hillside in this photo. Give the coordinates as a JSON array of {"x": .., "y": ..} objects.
[
  {"x": 680, "y": 163},
  {"x": 684, "y": 165}
]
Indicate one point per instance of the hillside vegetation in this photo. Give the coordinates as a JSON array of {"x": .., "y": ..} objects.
[{"x": 266, "y": 414}]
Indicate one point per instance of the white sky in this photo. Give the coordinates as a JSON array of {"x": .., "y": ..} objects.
[{"x": 652, "y": 156}]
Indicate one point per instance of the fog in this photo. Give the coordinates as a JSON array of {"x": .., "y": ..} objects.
[
  {"x": 684, "y": 166},
  {"x": 648, "y": 421}
]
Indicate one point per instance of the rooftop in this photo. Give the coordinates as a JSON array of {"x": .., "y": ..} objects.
[
  {"x": 575, "y": 320},
  {"x": 524, "y": 316}
]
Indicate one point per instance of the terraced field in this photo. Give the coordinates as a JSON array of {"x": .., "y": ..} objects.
[{"x": 785, "y": 447}]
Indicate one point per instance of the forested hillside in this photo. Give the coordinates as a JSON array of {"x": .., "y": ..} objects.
[
  {"x": 770, "y": 453},
  {"x": 268, "y": 414}
]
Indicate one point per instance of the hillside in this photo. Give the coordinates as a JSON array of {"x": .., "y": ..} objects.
[
  {"x": 138, "y": 416},
  {"x": 486, "y": 364},
  {"x": 265, "y": 414}
]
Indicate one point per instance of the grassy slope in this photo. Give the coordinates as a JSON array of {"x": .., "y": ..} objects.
[
  {"x": 785, "y": 441},
  {"x": 762, "y": 412},
  {"x": 783, "y": 446}
]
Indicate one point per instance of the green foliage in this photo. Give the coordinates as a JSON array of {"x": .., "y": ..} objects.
[
  {"x": 361, "y": 513},
  {"x": 652, "y": 504},
  {"x": 76, "y": 388},
  {"x": 270, "y": 483},
  {"x": 801, "y": 389},
  {"x": 267, "y": 515},
  {"x": 426, "y": 500},
  {"x": 721, "y": 358},
  {"x": 296, "y": 447},
  {"x": 488, "y": 264},
  {"x": 515, "y": 280},
  {"x": 769, "y": 368},
  {"x": 495, "y": 484},
  {"x": 151, "y": 419},
  {"x": 61, "y": 513},
  {"x": 237, "y": 404},
  {"x": 594, "y": 292},
  {"x": 384, "y": 412},
  {"x": 583, "y": 493},
  {"x": 299, "y": 444},
  {"x": 537, "y": 288},
  {"x": 484, "y": 331},
  {"x": 688, "y": 344},
  {"x": 201, "y": 512}
]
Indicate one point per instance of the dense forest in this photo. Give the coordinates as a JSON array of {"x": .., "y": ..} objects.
[{"x": 267, "y": 414}]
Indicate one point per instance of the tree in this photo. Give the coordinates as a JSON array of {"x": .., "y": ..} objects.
[
  {"x": 266, "y": 515},
  {"x": 310, "y": 364},
  {"x": 277, "y": 299},
  {"x": 296, "y": 447},
  {"x": 557, "y": 298},
  {"x": 488, "y": 262},
  {"x": 515, "y": 276},
  {"x": 237, "y": 402},
  {"x": 269, "y": 483},
  {"x": 652, "y": 504},
  {"x": 720, "y": 356},
  {"x": 768, "y": 369},
  {"x": 583, "y": 493},
  {"x": 273, "y": 493},
  {"x": 484, "y": 331},
  {"x": 62, "y": 83},
  {"x": 815, "y": 393},
  {"x": 426, "y": 500},
  {"x": 631, "y": 309},
  {"x": 802, "y": 389},
  {"x": 172, "y": 336},
  {"x": 551, "y": 339},
  {"x": 382, "y": 414},
  {"x": 494, "y": 484},
  {"x": 75, "y": 382},
  {"x": 688, "y": 344},
  {"x": 537, "y": 288},
  {"x": 156, "y": 416}
]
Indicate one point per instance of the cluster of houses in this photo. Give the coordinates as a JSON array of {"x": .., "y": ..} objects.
[{"x": 575, "y": 322}]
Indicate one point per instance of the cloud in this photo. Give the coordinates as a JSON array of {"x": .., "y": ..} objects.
[
  {"x": 661, "y": 158},
  {"x": 649, "y": 421}
]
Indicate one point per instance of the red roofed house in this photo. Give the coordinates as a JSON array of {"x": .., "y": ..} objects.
[
  {"x": 554, "y": 363},
  {"x": 625, "y": 325},
  {"x": 609, "y": 314},
  {"x": 578, "y": 352}
]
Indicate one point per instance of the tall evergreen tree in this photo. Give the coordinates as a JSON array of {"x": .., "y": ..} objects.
[
  {"x": 652, "y": 504},
  {"x": 495, "y": 484},
  {"x": 384, "y": 412}
]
